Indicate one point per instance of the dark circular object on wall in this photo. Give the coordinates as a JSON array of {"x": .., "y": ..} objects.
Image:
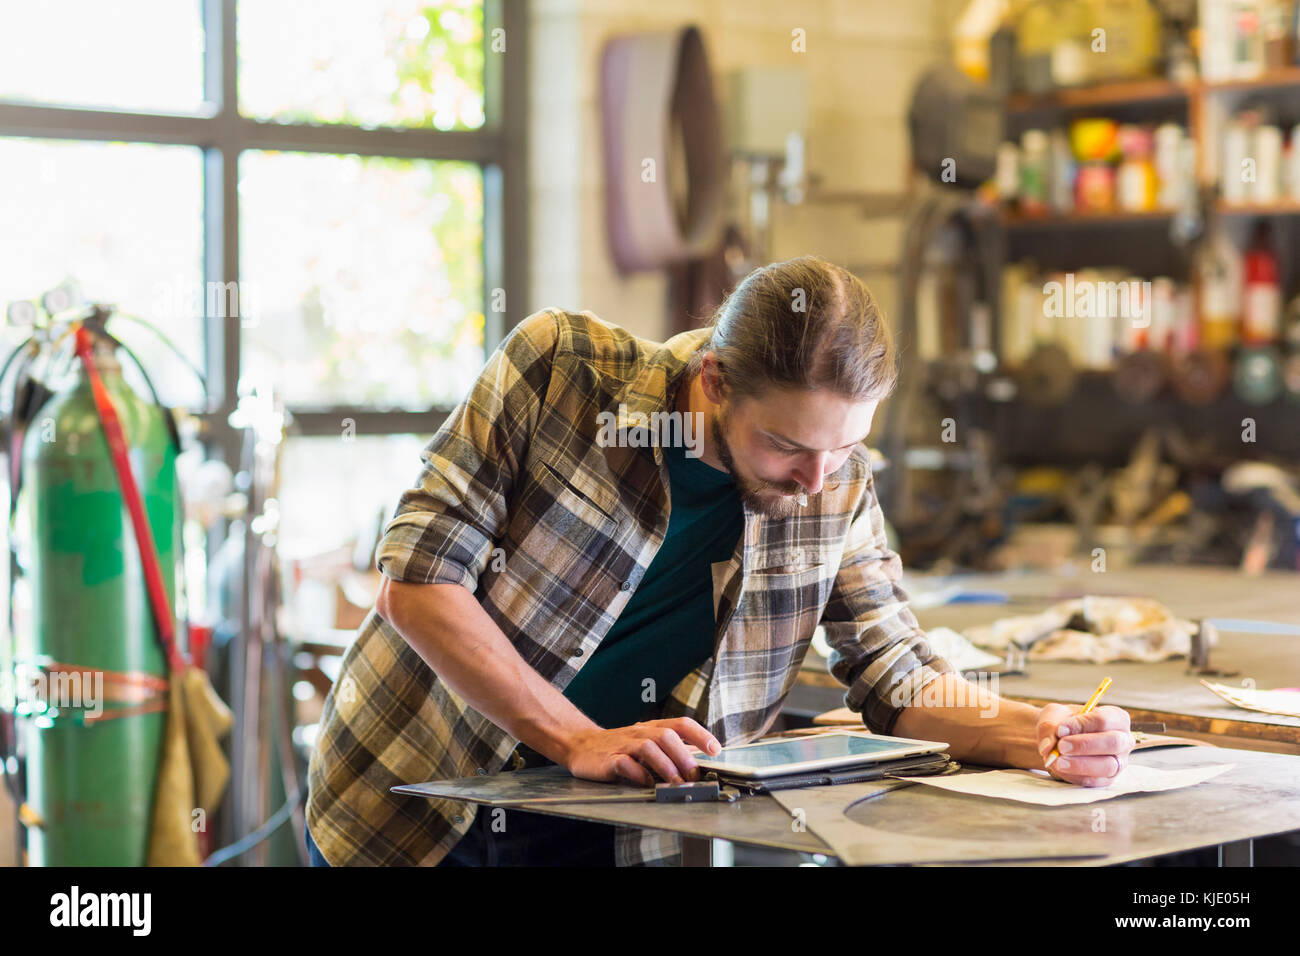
[
  {"x": 1139, "y": 376},
  {"x": 665, "y": 158},
  {"x": 1200, "y": 376},
  {"x": 1047, "y": 376}
]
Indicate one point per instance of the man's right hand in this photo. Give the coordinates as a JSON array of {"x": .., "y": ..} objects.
[{"x": 633, "y": 753}]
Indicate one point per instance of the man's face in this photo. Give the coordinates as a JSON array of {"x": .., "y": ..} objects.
[{"x": 785, "y": 442}]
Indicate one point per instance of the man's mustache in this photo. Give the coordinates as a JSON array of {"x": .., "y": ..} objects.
[{"x": 786, "y": 488}]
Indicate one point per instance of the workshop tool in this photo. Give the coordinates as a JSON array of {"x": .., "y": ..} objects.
[
  {"x": 1087, "y": 709},
  {"x": 955, "y": 124},
  {"x": 192, "y": 771},
  {"x": 1085, "y": 495},
  {"x": 1203, "y": 638},
  {"x": 1273, "y": 485},
  {"x": 1143, "y": 482},
  {"x": 91, "y": 777},
  {"x": 654, "y": 88}
]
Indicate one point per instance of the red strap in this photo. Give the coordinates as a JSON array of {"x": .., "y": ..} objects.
[
  {"x": 155, "y": 706},
  {"x": 119, "y": 686},
  {"x": 153, "y": 578}
]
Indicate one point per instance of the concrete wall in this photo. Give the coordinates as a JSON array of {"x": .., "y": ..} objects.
[{"x": 862, "y": 58}]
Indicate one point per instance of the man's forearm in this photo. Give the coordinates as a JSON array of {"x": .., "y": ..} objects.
[
  {"x": 452, "y": 633},
  {"x": 980, "y": 726}
]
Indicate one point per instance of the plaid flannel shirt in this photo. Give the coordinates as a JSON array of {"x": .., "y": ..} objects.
[{"x": 520, "y": 466}]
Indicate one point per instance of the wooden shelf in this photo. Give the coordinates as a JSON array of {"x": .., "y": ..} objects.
[
  {"x": 1011, "y": 220},
  {"x": 1055, "y": 220},
  {"x": 1283, "y": 207},
  {"x": 1144, "y": 91},
  {"x": 1128, "y": 92},
  {"x": 1287, "y": 76}
]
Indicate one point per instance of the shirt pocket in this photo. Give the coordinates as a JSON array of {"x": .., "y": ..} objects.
[
  {"x": 559, "y": 528},
  {"x": 789, "y": 597},
  {"x": 557, "y": 576}
]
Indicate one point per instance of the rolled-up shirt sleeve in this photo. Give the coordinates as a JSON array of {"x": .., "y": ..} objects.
[
  {"x": 879, "y": 651},
  {"x": 445, "y": 526}
]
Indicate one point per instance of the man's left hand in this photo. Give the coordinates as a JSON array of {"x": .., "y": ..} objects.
[{"x": 1093, "y": 748}]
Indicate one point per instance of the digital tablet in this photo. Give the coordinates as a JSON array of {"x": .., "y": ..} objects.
[{"x": 817, "y": 752}]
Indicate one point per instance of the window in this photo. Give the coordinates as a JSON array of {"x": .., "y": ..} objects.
[
  {"x": 146, "y": 55},
  {"x": 401, "y": 63},
  {"x": 354, "y": 171},
  {"x": 366, "y": 276}
]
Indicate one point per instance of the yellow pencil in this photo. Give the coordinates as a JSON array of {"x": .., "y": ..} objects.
[{"x": 1087, "y": 709}]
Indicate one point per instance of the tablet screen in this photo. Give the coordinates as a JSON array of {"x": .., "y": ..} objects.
[{"x": 801, "y": 749}]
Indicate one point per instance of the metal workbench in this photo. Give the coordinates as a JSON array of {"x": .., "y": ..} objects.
[
  {"x": 915, "y": 824},
  {"x": 1166, "y": 692}
]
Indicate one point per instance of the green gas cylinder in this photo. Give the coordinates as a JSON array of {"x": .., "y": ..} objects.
[{"x": 91, "y": 784}]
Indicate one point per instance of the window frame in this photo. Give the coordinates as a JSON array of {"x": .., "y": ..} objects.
[{"x": 499, "y": 148}]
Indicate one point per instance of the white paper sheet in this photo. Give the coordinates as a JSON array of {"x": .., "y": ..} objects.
[
  {"x": 1283, "y": 702},
  {"x": 1037, "y": 786}
]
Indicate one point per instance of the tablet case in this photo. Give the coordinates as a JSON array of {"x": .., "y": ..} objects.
[{"x": 917, "y": 766}]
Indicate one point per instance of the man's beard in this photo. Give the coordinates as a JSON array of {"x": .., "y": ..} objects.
[{"x": 751, "y": 492}]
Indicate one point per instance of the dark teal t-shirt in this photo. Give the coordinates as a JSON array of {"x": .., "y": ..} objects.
[{"x": 666, "y": 630}]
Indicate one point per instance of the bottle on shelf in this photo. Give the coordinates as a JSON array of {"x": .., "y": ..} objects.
[
  {"x": 1218, "y": 279},
  {"x": 1291, "y": 162},
  {"x": 1168, "y": 163},
  {"x": 1275, "y": 29},
  {"x": 1267, "y": 187},
  {"x": 1094, "y": 188},
  {"x": 1034, "y": 164},
  {"x": 1258, "y": 379},
  {"x": 1235, "y": 175},
  {"x": 1135, "y": 181},
  {"x": 1006, "y": 174},
  {"x": 1071, "y": 53},
  {"x": 1163, "y": 314},
  {"x": 1060, "y": 172},
  {"x": 1261, "y": 304},
  {"x": 1232, "y": 39},
  {"x": 1260, "y": 375}
]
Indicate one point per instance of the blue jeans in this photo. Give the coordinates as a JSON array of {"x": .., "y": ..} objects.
[
  {"x": 516, "y": 838},
  {"x": 314, "y": 855},
  {"x": 500, "y": 837}
]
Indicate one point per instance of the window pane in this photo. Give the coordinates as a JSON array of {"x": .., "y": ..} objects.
[
  {"x": 395, "y": 63},
  {"x": 355, "y": 479},
  {"x": 124, "y": 222},
  {"x": 357, "y": 483},
  {"x": 365, "y": 275},
  {"x": 143, "y": 55}
]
